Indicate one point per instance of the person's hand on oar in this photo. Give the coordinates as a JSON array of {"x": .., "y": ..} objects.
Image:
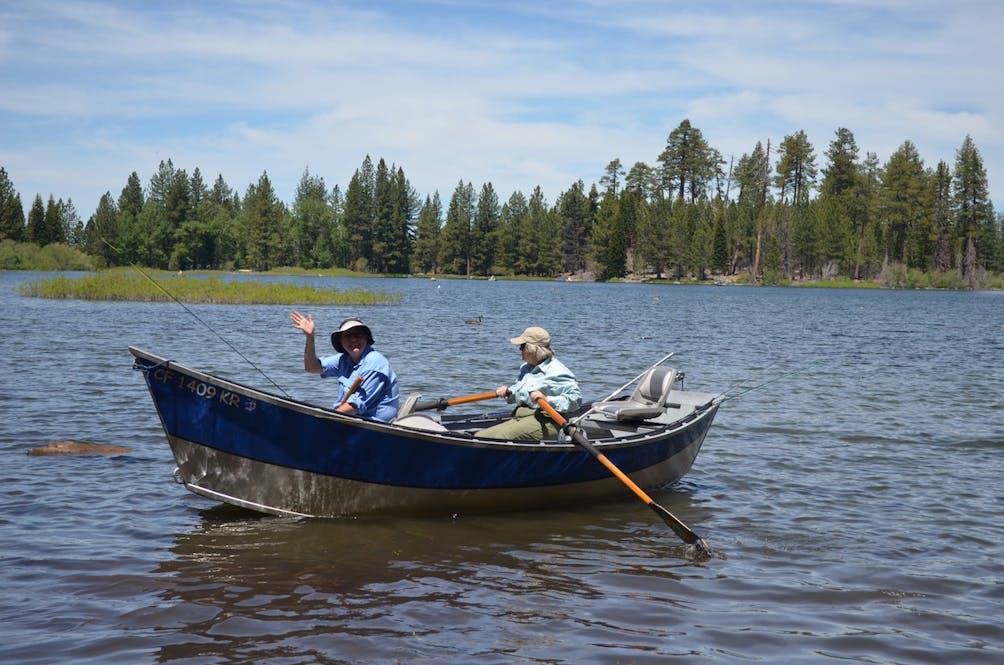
[
  {"x": 443, "y": 402},
  {"x": 344, "y": 406},
  {"x": 681, "y": 529}
]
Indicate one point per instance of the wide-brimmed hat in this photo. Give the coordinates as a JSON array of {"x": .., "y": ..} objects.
[
  {"x": 349, "y": 324},
  {"x": 533, "y": 335}
]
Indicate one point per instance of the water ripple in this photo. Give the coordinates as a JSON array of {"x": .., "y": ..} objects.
[{"x": 852, "y": 493}]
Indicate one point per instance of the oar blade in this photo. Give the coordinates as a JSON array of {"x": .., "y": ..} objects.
[{"x": 702, "y": 549}]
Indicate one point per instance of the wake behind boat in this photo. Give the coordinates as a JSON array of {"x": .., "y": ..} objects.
[{"x": 269, "y": 453}]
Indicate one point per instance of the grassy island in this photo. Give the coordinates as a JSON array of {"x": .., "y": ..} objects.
[{"x": 127, "y": 285}]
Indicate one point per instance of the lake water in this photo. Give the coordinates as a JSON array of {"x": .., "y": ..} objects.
[{"x": 854, "y": 493}]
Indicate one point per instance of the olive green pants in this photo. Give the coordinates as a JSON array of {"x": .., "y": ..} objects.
[{"x": 526, "y": 424}]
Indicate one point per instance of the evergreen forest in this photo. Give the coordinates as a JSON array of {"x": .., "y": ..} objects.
[{"x": 777, "y": 214}]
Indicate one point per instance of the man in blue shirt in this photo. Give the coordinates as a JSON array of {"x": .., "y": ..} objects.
[{"x": 377, "y": 396}]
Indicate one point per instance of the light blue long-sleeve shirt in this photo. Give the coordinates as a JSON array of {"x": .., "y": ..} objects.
[
  {"x": 550, "y": 377},
  {"x": 377, "y": 396}
]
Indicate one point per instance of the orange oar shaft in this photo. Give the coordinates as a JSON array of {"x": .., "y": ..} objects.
[
  {"x": 352, "y": 389},
  {"x": 639, "y": 492},
  {"x": 560, "y": 421},
  {"x": 442, "y": 403},
  {"x": 453, "y": 401}
]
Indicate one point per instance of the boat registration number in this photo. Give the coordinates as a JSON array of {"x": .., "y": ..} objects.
[{"x": 203, "y": 389}]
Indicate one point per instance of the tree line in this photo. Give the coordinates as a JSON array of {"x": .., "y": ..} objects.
[{"x": 773, "y": 214}]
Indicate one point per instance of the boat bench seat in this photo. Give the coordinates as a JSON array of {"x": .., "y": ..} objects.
[{"x": 420, "y": 421}]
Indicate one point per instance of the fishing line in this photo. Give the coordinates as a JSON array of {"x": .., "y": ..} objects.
[
  {"x": 725, "y": 396},
  {"x": 199, "y": 319},
  {"x": 743, "y": 381}
]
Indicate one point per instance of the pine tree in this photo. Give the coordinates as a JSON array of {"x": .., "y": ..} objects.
[
  {"x": 841, "y": 174},
  {"x": 11, "y": 211},
  {"x": 539, "y": 243},
  {"x": 702, "y": 221},
  {"x": 905, "y": 198},
  {"x": 869, "y": 256},
  {"x": 358, "y": 215},
  {"x": 198, "y": 192},
  {"x": 841, "y": 213},
  {"x": 178, "y": 202},
  {"x": 340, "y": 250},
  {"x": 52, "y": 226},
  {"x": 455, "y": 238},
  {"x": 484, "y": 231},
  {"x": 101, "y": 233},
  {"x": 772, "y": 269},
  {"x": 815, "y": 237},
  {"x": 35, "y": 231},
  {"x": 654, "y": 247},
  {"x": 131, "y": 199},
  {"x": 425, "y": 257},
  {"x": 160, "y": 182},
  {"x": 72, "y": 226},
  {"x": 973, "y": 210},
  {"x": 608, "y": 243},
  {"x": 796, "y": 168},
  {"x": 263, "y": 215},
  {"x": 752, "y": 175},
  {"x": 514, "y": 211},
  {"x": 382, "y": 230},
  {"x": 689, "y": 163},
  {"x": 719, "y": 246},
  {"x": 402, "y": 222},
  {"x": 391, "y": 230},
  {"x": 577, "y": 213},
  {"x": 610, "y": 181},
  {"x": 313, "y": 220},
  {"x": 643, "y": 179},
  {"x": 222, "y": 208},
  {"x": 942, "y": 211}
]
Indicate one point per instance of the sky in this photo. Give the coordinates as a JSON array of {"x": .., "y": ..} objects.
[{"x": 518, "y": 94}]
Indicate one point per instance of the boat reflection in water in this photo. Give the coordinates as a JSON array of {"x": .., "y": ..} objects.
[{"x": 245, "y": 587}]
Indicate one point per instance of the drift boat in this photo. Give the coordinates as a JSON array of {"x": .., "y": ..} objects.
[{"x": 273, "y": 454}]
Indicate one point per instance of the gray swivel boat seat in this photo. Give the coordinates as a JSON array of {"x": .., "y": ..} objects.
[{"x": 648, "y": 400}]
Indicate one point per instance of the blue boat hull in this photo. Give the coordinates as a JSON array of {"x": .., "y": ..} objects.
[{"x": 236, "y": 444}]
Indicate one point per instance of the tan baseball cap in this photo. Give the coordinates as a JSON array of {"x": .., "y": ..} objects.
[{"x": 533, "y": 335}]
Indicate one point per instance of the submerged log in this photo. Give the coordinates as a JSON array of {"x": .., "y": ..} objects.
[{"x": 77, "y": 448}]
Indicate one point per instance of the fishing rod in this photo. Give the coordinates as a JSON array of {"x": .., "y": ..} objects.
[{"x": 200, "y": 320}]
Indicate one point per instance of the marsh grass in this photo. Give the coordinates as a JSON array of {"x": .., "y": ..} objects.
[{"x": 126, "y": 285}]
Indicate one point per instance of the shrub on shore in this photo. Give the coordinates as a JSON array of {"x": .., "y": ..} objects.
[{"x": 29, "y": 256}]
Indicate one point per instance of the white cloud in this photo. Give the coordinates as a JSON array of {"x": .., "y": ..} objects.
[{"x": 519, "y": 95}]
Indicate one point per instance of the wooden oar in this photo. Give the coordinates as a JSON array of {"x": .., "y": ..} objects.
[
  {"x": 681, "y": 529},
  {"x": 443, "y": 402},
  {"x": 352, "y": 389}
]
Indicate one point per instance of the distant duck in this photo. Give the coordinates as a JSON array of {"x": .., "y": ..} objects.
[{"x": 474, "y": 321}]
